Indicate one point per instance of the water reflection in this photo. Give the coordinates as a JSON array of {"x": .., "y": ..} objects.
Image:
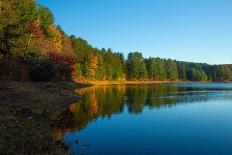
[{"x": 104, "y": 101}]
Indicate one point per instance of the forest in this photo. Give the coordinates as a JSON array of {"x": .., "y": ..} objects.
[{"x": 34, "y": 48}]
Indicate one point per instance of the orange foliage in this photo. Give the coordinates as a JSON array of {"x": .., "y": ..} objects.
[
  {"x": 45, "y": 47},
  {"x": 35, "y": 29},
  {"x": 94, "y": 103},
  {"x": 67, "y": 44},
  {"x": 72, "y": 107}
]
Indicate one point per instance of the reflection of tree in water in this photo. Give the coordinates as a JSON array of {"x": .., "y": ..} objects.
[
  {"x": 110, "y": 100},
  {"x": 104, "y": 101},
  {"x": 137, "y": 97},
  {"x": 159, "y": 95}
]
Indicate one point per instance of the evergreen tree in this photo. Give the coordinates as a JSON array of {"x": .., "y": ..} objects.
[
  {"x": 156, "y": 69},
  {"x": 136, "y": 67},
  {"x": 172, "y": 71},
  {"x": 182, "y": 71}
]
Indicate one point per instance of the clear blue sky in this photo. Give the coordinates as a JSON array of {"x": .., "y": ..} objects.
[{"x": 189, "y": 30}]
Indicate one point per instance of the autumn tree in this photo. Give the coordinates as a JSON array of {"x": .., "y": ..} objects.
[{"x": 56, "y": 37}]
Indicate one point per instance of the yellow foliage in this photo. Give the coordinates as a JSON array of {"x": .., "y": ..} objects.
[{"x": 56, "y": 37}]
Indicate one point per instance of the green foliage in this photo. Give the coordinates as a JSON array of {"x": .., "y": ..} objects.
[
  {"x": 156, "y": 69},
  {"x": 182, "y": 69},
  {"x": 222, "y": 73},
  {"x": 86, "y": 70},
  {"x": 110, "y": 65},
  {"x": 100, "y": 72},
  {"x": 172, "y": 71},
  {"x": 45, "y": 18},
  {"x": 81, "y": 48},
  {"x": 136, "y": 67},
  {"x": 79, "y": 70},
  {"x": 16, "y": 17},
  {"x": 197, "y": 75},
  {"x": 113, "y": 65}
]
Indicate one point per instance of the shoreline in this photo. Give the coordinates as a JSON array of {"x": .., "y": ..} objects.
[
  {"x": 114, "y": 82},
  {"x": 129, "y": 82},
  {"x": 27, "y": 110}
]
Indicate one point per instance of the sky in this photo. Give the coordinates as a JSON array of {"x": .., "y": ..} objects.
[{"x": 186, "y": 30}]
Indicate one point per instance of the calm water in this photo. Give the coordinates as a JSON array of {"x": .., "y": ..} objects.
[{"x": 157, "y": 119}]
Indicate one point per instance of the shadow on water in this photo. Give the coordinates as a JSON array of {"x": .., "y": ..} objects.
[{"x": 105, "y": 101}]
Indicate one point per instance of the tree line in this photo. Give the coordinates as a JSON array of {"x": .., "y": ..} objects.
[{"x": 33, "y": 48}]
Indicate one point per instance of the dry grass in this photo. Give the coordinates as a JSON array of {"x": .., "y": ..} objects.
[{"x": 128, "y": 82}]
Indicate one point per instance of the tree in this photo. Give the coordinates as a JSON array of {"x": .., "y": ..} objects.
[
  {"x": 45, "y": 17},
  {"x": 222, "y": 73},
  {"x": 16, "y": 17},
  {"x": 156, "y": 69},
  {"x": 100, "y": 72},
  {"x": 33, "y": 47},
  {"x": 172, "y": 71},
  {"x": 83, "y": 51},
  {"x": 136, "y": 67},
  {"x": 93, "y": 64},
  {"x": 182, "y": 71},
  {"x": 56, "y": 37}
]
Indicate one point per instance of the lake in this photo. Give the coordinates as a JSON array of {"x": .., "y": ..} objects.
[{"x": 150, "y": 119}]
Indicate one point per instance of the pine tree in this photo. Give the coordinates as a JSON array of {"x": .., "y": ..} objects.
[
  {"x": 136, "y": 67},
  {"x": 172, "y": 71}
]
